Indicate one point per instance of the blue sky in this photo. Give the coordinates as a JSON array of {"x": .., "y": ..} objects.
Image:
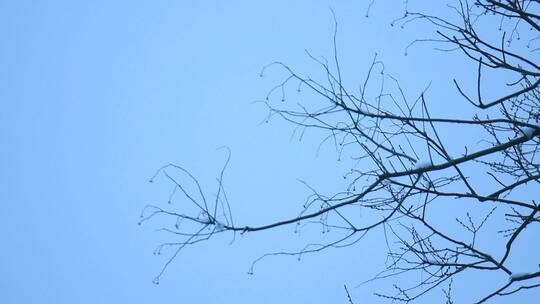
[{"x": 96, "y": 95}]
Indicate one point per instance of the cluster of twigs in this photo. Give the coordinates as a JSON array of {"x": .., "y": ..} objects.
[{"x": 407, "y": 164}]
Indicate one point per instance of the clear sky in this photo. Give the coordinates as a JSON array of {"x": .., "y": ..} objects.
[{"x": 96, "y": 95}]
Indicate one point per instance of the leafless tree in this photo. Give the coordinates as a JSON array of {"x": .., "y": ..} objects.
[{"x": 404, "y": 169}]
